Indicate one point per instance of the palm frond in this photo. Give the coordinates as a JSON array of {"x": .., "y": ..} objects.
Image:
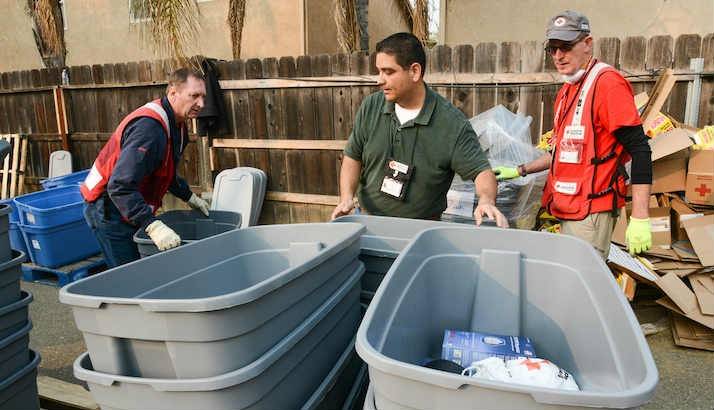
[
  {"x": 348, "y": 30},
  {"x": 172, "y": 27},
  {"x": 405, "y": 9},
  {"x": 236, "y": 16},
  {"x": 47, "y": 27},
  {"x": 420, "y": 21}
]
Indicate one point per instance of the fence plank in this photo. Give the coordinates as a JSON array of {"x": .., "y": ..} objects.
[
  {"x": 509, "y": 61},
  {"x": 659, "y": 52},
  {"x": 530, "y": 97},
  {"x": 342, "y": 98},
  {"x": 439, "y": 60},
  {"x": 607, "y": 49},
  {"x": 485, "y": 62},
  {"x": 324, "y": 110},
  {"x": 686, "y": 47},
  {"x": 706, "y": 101},
  {"x": 463, "y": 62}
]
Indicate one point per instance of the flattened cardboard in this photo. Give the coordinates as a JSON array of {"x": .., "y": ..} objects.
[
  {"x": 701, "y": 234},
  {"x": 687, "y": 333},
  {"x": 670, "y": 142},
  {"x": 705, "y": 298},
  {"x": 678, "y": 292},
  {"x": 623, "y": 262},
  {"x": 697, "y": 316}
]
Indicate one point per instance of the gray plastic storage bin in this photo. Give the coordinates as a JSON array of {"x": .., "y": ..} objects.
[
  {"x": 283, "y": 378},
  {"x": 10, "y": 273},
  {"x": 19, "y": 391},
  {"x": 225, "y": 299},
  {"x": 554, "y": 289},
  {"x": 5, "y": 211},
  {"x": 340, "y": 388},
  {"x": 13, "y": 351},
  {"x": 382, "y": 241},
  {"x": 190, "y": 226},
  {"x": 13, "y": 317}
]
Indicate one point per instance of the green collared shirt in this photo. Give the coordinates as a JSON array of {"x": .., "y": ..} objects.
[{"x": 437, "y": 143}]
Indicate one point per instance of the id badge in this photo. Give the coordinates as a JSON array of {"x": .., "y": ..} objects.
[
  {"x": 396, "y": 179},
  {"x": 571, "y": 151},
  {"x": 574, "y": 132}
]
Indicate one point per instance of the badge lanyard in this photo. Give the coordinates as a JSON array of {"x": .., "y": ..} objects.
[
  {"x": 397, "y": 174},
  {"x": 573, "y": 140}
]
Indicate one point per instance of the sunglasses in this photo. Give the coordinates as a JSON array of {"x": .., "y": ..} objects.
[{"x": 564, "y": 47}]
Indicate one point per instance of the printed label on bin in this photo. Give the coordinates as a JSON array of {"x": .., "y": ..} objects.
[
  {"x": 30, "y": 218},
  {"x": 35, "y": 244}
]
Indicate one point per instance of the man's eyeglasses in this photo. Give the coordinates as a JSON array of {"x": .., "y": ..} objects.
[{"x": 564, "y": 47}]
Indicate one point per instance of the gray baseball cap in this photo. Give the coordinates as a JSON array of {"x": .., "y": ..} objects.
[{"x": 567, "y": 26}]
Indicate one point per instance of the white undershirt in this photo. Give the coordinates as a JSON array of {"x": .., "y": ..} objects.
[{"x": 405, "y": 115}]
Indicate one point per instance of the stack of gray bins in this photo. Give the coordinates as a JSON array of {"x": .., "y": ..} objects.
[
  {"x": 554, "y": 289},
  {"x": 18, "y": 364},
  {"x": 254, "y": 318}
]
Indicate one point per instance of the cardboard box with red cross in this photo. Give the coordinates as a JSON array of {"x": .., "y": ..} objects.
[{"x": 700, "y": 178}]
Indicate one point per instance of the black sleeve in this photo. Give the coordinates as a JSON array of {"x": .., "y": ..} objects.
[{"x": 634, "y": 140}]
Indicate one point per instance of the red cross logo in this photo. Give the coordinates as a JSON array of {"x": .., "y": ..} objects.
[
  {"x": 531, "y": 365},
  {"x": 703, "y": 190}
]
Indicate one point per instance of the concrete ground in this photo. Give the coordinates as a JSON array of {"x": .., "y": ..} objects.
[{"x": 686, "y": 375}]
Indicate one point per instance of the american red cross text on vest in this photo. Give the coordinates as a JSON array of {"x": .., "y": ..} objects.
[{"x": 703, "y": 190}]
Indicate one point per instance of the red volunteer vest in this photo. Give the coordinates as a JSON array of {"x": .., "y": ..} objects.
[
  {"x": 154, "y": 186},
  {"x": 587, "y": 174}
]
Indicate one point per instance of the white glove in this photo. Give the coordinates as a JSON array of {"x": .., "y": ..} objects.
[
  {"x": 163, "y": 236},
  {"x": 198, "y": 204}
]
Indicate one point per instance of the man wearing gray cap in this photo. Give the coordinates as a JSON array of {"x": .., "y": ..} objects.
[{"x": 596, "y": 130}]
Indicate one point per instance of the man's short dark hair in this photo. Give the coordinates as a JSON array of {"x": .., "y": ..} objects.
[
  {"x": 405, "y": 48},
  {"x": 181, "y": 75}
]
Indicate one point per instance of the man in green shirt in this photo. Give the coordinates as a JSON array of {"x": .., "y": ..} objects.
[{"x": 407, "y": 143}]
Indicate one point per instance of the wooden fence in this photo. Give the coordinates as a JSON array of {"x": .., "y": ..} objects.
[{"x": 290, "y": 116}]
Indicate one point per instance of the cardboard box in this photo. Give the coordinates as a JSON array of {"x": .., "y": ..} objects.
[
  {"x": 669, "y": 174},
  {"x": 700, "y": 178},
  {"x": 660, "y": 221},
  {"x": 680, "y": 213}
]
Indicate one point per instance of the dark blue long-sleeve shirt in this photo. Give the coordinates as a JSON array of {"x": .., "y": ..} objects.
[{"x": 143, "y": 147}]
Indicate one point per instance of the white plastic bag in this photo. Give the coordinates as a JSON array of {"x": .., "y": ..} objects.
[{"x": 526, "y": 371}]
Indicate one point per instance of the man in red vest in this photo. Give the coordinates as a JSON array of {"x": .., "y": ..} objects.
[
  {"x": 137, "y": 166},
  {"x": 596, "y": 130}
]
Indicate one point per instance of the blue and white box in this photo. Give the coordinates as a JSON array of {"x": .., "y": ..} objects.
[{"x": 465, "y": 348}]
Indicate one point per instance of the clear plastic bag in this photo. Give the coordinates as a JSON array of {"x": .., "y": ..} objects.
[{"x": 506, "y": 140}]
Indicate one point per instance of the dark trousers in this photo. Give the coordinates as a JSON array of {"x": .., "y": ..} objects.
[{"x": 114, "y": 235}]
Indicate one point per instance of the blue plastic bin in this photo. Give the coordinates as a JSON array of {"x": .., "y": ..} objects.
[
  {"x": 50, "y": 208},
  {"x": 17, "y": 241},
  {"x": 60, "y": 245},
  {"x": 74, "y": 178}
]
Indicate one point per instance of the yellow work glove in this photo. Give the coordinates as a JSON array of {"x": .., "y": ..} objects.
[
  {"x": 164, "y": 237},
  {"x": 198, "y": 204},
  {"x": 638, "y": 235},
  {"x": 505, "y": 173}
]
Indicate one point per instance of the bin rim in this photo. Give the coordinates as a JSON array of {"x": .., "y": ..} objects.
[
  {"x": 25, "y": 299},
  {"x": 629, "y": 397},
  {"x": 217, "y": 302},
  {"x": 34, "y": 362},
  {"x": 140, "y": 237},
  {"x": 232, "y": 378},
  {"x": 16, "y": 335},
  {"x": 20, "y": 200}
]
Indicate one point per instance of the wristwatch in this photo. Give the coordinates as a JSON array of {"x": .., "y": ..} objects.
[{"x": 522, "y": 170}]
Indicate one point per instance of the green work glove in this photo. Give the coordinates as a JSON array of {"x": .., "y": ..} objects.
[
  {"x": 638, "y": 235},
  {"x": 505, "y": 173}
]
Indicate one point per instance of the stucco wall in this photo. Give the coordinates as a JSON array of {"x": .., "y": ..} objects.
[
  {"x": 384, "y": 19},
  {"x": 273, "y": 28},
  {"x": 473, "y": 21},
  {"x": 18, "y": 50}
]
